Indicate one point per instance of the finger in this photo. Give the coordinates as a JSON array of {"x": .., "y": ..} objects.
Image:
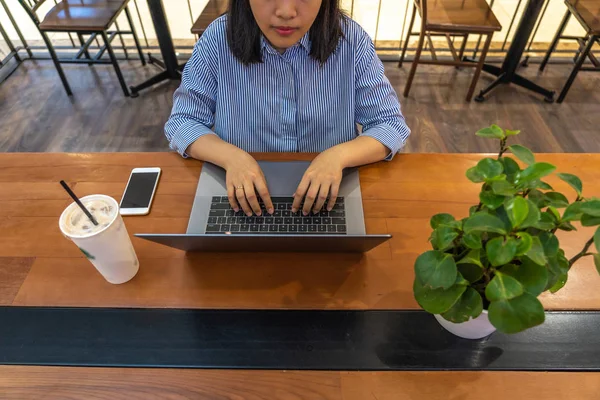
[
  {"x": 252, "y": 198},
  {"x": 241, "y": 198},
  {"x": 300, "y": 193},
  {"x": 311, "y": 196},
  {"x": 263, "y": 192},
  {"x": 333, "y": 194},
  {"x": 321, "y": 197},
  {"x": 232, "y": 200}
]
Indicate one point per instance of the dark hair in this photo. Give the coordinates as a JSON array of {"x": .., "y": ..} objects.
[{"x": 243, "y": 33}]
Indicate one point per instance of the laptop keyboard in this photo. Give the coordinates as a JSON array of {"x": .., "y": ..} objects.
[{"x": 223, "y": 219}]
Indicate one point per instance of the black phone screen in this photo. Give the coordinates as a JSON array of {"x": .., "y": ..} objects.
[{"x": 139, "y": 191}]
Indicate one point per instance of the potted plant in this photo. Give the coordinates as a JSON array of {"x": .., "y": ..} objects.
[{"x": 486, "y": 271}]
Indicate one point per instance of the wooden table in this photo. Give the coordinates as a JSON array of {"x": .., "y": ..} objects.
[{"x": 39, "y": 267}]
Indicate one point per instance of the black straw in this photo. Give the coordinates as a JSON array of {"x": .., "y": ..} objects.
[{"x": 79, "y": 203}]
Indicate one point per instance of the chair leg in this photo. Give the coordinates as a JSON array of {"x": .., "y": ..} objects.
[
  {"x": 59, "y": 69},
  {"x": 135, "y": 36},
  {"x": 557, "y": 36},
  {"x": 486, "y": 47},
  {"x": 413, "y": 68},
  {"x": 463, "y": 46},
  {"x": 87, "y": 53},
  {"x": 115, "y": 63},
  {"x": 410, "y": 26},
  {"x": 578, "y": 65}
]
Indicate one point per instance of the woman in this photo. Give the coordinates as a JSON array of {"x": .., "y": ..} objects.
[{"x": 285, "y": 76}]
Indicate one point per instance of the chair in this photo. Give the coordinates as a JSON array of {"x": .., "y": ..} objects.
[
  {"x": 213, "y": 10},
  {"x": 84, "y": 17},
  {"x": 587, "y": 12},
  {"x": 451, "y": 19}
]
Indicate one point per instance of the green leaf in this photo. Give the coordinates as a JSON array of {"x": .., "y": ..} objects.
[
  {"x": 549, "y": 243},
  {"x": 533, "y": 277},
  {"x": 489, "y": 168},
  {"x": 470, "y": 272},
  {"x": 511, "y": 168},
  {"x": 473, "y": 257},
  {"x": 591, "y": 207},
  {"x": 503, "y": 188},
  {"x": 546, "y": 222},
  {"x": 483, "y": 222},
  {"x": 511, "y": 133},
  {"x": 524, "y": 243},
  {"x": 470, "y": 305},
  {"x": 543, "y": 185},
  {"x": 573, "y": 212},
  {"x": 472, "y": 240},
  {"x": 441, "y": 219},
  {"x": 460, "y": 280},
  {"x": 554, "y": 212},
  {"x": 503, "y": 287},
  {"x": 558, "y": 265},
  {"x": 435, "y": 269},
  {"x": 474, "y": 175},
  {"x": 597, "y": 239},
  {"x": 560, "y": 283},
  {"x": 573, "y": 181},
  {"x": 437, "y": 301},
  {"x": 557, "y": 200},
  {"x": 588, "y": 220},
  {"x": 493, "y": 132},
  {"x": 535, "y": 171},
  {"x": 567, "y": 226},
  {"x": 516, "y": 315},
  {"x": 597, "y": 262},
  {"x": 533, "y": 215},
  {"x": 491, "y": 200},
  {"x": 538, "y": 198},
  {"x": 500, "y": 251},
  {"x": 517, "y": 209},
  {"x": 442, "y": 237},
  {"x": 522, "y": 153},
  {"x": 536, "y": 253}
]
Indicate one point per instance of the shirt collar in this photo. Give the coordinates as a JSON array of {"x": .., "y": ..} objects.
[{"x": 304, "y": 43}]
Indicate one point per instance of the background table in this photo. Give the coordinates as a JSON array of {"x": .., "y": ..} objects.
[
  {"x": 507, "y": 73},
  {"x": 38, "y": 267},
  {"x": 170, "y": 65}
]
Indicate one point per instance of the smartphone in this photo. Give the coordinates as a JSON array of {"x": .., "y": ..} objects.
[{"x": 139, "y": 191}]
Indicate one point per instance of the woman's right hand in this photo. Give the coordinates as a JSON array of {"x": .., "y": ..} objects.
[{"x": 245, "y": 183}]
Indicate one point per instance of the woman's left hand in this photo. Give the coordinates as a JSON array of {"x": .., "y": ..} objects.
[{"x": 321, "y": 180}]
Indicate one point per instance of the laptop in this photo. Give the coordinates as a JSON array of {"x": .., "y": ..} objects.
[{"x": 215, "y": 227}]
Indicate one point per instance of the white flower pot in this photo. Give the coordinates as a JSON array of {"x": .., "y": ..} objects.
[{"x": 477, "y": 328}]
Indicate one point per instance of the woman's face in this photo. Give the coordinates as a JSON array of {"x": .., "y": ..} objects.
[{"x": 284, "y": 22}]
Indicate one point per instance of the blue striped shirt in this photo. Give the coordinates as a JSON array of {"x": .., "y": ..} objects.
[{"x": 289, "y": 102}]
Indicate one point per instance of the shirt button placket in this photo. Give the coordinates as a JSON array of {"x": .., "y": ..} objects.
[{"x": 291, "y": 108}]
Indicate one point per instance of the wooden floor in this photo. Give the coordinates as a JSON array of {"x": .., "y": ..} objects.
[{"x": 37, "y": 116}]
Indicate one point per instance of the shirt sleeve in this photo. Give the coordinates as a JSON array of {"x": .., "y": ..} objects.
[
  {"x": 377, "y": 106},
  {"x": 194, "y": 101}
]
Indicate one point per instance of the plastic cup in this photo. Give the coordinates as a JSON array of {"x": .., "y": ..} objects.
[{"x": 108, "y": 246}]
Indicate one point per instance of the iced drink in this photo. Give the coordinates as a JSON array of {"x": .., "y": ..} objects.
[{"x": 107, "y": 245}]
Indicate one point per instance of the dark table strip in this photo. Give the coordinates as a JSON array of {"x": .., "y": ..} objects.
[{"x": 273, "y": 339}]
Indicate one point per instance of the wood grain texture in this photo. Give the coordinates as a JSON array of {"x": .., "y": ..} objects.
[
  {"x": 213, "y": 10},
  {"x": 69, "y": 15},
  {"x": 468, "y": 385},
  {"x": 472, "y": 16},
  {"x": 399, "y": 198},
  {"x": 37, "y": 116},
  {"x": 51, "y": 383},
  {"x": 13, "y": 272},
  {"x": 22, "y": 383}
]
